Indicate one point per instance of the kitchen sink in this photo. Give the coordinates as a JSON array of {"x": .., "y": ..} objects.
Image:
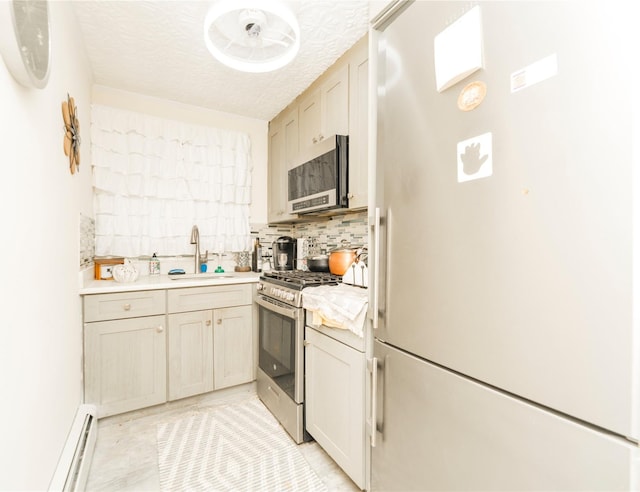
[{"x": 201, "y": 276}]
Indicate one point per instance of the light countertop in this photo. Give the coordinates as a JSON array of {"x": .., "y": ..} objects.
[{"x": 153, "y": 282}]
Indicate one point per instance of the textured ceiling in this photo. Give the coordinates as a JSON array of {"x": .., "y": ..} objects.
[{"x": 156, "y": 48}]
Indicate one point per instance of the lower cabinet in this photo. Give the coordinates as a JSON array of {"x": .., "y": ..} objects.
[
  {"x": 203, "y": 340},
  {"x": 125, "y": 364},
  {"x": 232, "y": 347},
  {"x": 209, "y": 350},
  {"x": 190, "y": 353},
  {"x": 334, "y": 401}
]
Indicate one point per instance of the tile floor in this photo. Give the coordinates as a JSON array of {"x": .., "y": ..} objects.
[{"x": 126, "y": 457}]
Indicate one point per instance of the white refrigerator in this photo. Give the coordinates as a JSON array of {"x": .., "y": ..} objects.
[{"x": 506, "y": 248}]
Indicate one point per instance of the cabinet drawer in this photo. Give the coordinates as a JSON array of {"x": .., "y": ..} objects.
[
  {"x": 211, "y": 297},
  {"x": 99, "y": 307}
]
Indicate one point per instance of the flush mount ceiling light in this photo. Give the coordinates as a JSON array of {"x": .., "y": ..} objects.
[
  {"x": 252, "y": 35},
  {"x": 25, "y": 41}
]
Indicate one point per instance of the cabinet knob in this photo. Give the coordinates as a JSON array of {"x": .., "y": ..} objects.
[
  {"x": 208, "y": 322},
  {"x": 321, "y": 137},
  {"x": 306, "y": 343},
  {"x": 315, "y": 140},
  {"x": 127, "y": 307},
  {"x": 160, "y": 329},
  {"x": 219, "y": 321},
  {"x": 350, "y": 196}
]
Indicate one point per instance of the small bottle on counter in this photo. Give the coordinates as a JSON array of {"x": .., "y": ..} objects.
[
  {"x": 154, "y": 265},
  {"x": 266, "y": 259},
  {"x": 256, "y": 257}
]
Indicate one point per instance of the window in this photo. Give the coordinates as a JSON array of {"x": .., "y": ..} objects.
[{"x": 153, "y": 179}]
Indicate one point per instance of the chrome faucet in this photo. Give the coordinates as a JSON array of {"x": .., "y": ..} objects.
[{"x": 198, "y": 258}]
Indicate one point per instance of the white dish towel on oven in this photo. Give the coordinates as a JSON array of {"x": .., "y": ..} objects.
[{"x": 338, "y": 306}]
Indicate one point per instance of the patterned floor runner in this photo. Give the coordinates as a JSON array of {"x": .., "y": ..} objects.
[{"x": 238, "y": 447}]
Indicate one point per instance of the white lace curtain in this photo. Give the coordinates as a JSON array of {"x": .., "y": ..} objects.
[{"x": 154, "y": 179}]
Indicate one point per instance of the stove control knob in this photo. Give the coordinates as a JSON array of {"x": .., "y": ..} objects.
[
  {"x": 259, "y": 286},
  {"x": 290, "y": 296}
]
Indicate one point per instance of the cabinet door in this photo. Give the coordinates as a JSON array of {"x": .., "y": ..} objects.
[
  {"x": 275, "y": 170},
  {"x": 324, "y": 112},
  {"x": 125, "y": 364},
  {"x": 359, "y": 126},
  {"x": 334, "y": 401},
  {"x": 310, "y": 123},
  {"x": 291, "y": 140},
  {"x": 334, "y": 100},
  {"x": 233, "y": 361},
  {"x": 283, "y": 147},
  {"x": 190, "y": 353}
]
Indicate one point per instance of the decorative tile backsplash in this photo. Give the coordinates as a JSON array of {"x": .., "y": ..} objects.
[
  {"x": 87, "y": 241},
  {"x": 352, "y": 228},
  {"x": 328, "y": 232}
]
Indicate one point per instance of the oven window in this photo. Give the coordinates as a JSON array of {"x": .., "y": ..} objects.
[{"x": 277, "y": 349}]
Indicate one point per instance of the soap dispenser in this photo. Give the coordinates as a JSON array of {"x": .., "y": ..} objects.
[{"x": 154, "y": 265}]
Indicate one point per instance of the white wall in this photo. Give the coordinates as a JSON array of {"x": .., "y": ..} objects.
[
  {"x": 40, "y": 203},
  {"x": 162, "y": 108}
]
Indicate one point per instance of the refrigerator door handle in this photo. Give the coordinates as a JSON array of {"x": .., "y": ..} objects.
[
  {"x": 373, "y": 368},
  {"x": 375, "y": 291}
]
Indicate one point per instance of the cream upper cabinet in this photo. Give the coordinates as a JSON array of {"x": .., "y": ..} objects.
[
  {"x": 310, "y": 126},
  {"x": 283, "y": 151},
  {"x": 291, "y": 131},
  {"x": 324, "y": 111},
  {"x": 275, "y": 171},
  {"x": 359, "y": 125},
  {"x": 335, "y": 104}
]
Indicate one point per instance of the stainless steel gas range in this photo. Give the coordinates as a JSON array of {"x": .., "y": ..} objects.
[{"x": 280, "y": 380}]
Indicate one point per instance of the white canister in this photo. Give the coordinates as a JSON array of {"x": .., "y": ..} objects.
[{"x": 302, "y": 251}]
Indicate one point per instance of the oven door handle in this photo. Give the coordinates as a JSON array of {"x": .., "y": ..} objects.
[{"x": 288, "y": 312}]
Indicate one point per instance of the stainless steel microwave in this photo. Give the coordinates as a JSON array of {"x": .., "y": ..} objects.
[{"x": 321, "y": 183}]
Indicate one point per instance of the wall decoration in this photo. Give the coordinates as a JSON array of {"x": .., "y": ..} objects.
[{"x": 71, "y": 142}]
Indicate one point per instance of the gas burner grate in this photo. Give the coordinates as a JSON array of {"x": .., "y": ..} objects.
[{"x": 302, "y": 278}]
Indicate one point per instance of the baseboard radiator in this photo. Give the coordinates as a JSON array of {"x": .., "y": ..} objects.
[{"x": 73, "y": 467}]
